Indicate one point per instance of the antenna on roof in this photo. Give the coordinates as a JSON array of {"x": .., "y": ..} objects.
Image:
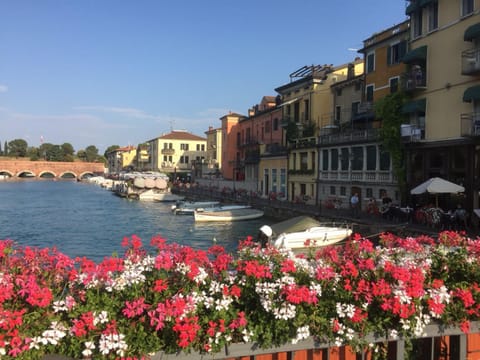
[{"x": 171, "y": 124}]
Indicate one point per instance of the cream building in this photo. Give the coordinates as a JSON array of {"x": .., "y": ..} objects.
[
  {"x": 213, "y": 159},
  {"x": 443, "y": 82},
  {"x": 178, "y": 152},
  {"x": 307, "y": 104}
]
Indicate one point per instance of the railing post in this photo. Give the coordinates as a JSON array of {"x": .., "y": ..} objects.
[{"x": 400, "y": 355}]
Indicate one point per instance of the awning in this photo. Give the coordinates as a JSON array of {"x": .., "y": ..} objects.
[
  {"x": 424, "y": 3},
  {"x": 472, "y": 93},
  {"x": 414, "y": 106},
  {"x": 289, "y": 102},
  {"x": 411, "y": 8},
  {"x": 472, "y": 32},
  {"x": 416, "y": 55}
]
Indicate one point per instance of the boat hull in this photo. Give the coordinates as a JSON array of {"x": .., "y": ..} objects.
[
  {"x": 313, "y": 237},
  {"x": 228, "y": 215}
]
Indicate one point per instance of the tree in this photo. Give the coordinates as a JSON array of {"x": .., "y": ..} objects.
[
  {"x": 1, "y": 152},
  {"x": 33, "y": 153},
  {"x": 109, "y": 149},
  {"x": 55, "y": 153},
  {"x": 5, "y": 149},
  {"x": 44, "y": 149},
  {"x": 82, "y": 155},
  {"x": 18, "y": 148},
  {"x": 67, "y": 149},
  {"x": 389, "y": 110},
  {"x": 291, "y": 132},
  {"x": 91, "y": 153}
]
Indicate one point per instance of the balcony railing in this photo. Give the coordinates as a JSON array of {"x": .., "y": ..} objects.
[
  {"x": 347, "y": 137},
  {"x": 303, "y": 143},
  {"x": 414, "y": 80},
  {"x": 411, "y": 133},
  {"x": 379, "y": 177},
  {"x": 168, "y": 151},
  {"x": 470, "y": 124},
  {"x": 471, "y": 61}
]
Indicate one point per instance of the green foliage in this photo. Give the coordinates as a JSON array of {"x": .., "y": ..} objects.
[
  {"x": 389, "y": 110},
  {"x": 291, "y": 131},
  {"x": 109, "y": 149},
  {"x": 91, "y": 153},
  {"x": 17, "y": 148}
]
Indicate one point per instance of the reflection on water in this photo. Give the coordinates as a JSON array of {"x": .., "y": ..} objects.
[{"x": 86, "y": 220}]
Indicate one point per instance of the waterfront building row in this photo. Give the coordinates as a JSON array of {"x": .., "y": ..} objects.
[{"x": 322, "y": 137}]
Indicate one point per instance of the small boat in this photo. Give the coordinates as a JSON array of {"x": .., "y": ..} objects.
[
  {"x": 188, "y": 207},
  {"x": 227, "y": 213},
  {"x": 303, "y": 232}
]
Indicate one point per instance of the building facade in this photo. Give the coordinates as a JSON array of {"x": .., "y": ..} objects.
[
  {"x": 352, "y": 156},
  {"x": 121, "y": 159},
  {"x": 213, "y": 161},
  {"x": 443, "y": 83},
  {"x": 178, "y": 152}
]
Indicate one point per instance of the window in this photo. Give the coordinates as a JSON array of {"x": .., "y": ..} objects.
[
  {"x": 343, "y": 191},
  {"x": 202, "y": 147},
  {"x": 314, "y": 155},
  {"x": 467, "y": 7},
  {"x": 332, "y": 190},
  {"x": 294, "y": 160},
  {"x": 303, "y": 189},
  {"x": 339, "y": 92},
  {"x": 303, "y": 161},
  {"x": 384, "y": 159},
  {"x": 198, "y": 147},
  {"x": 417, "y": 23},
  {"x": 268, "y": 126},
  {"x": 357, "y": 162},
  {"x": 324, "y": 160},
  {"x": 345, "y": 158},
  {"x": 358, "y": 86},
  {"x": 369, "y": 193},
  {"x": 355, "y": 106},
  {"x": 334, "y": 159},
  {"x": 338, "y": 114},
  {"x": 275, "y": 124},
  {"x": 370, "y": 62},
  {"x": 371, "y": 157},
  {"x": 306, "y": 105},
  {"x": 283, "y": 178},
  {"x": 396, "y": 52},
  {"x": 432, "y": 11},
  {"x": 274, "y": 180},
  {"x": 393, "y": 85},
  {"x": 369, "y": 93},
  {"x": 184, "y": 147},
  {"x": 165, "y": 158}
]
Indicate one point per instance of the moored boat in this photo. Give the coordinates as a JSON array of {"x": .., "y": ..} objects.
[
  {"x": 303, "y": 232},
  {"x": 227, "y": 213},
  {"x": 188, "y": 207}
]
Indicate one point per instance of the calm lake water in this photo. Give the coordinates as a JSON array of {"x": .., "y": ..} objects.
[{"x": 82, "y": 219}]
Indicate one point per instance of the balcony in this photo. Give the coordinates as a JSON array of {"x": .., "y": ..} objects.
[
  {"x": 349, "y": 137},
  {"x": 303, "y": 143},
  {"x": 411, "y": 133},
  {"x": 470, "y": 124},
  {"x": 471, "y": 62},
  {"x": 377, "y": 177},
  {"x": 415, "y": 79},
  {"x": 168, "y": 151}
]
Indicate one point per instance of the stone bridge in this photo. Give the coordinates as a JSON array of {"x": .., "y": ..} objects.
[{"x": 15, "y": 168}]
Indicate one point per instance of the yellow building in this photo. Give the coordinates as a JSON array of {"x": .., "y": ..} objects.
[
  {"x": 307, "y": 104},
  {"x": 121, "y": 159},
  {"x": 443, "y": 82},
  {"x": 177, "y": 152},
  {"x": 351, "y": 154}
]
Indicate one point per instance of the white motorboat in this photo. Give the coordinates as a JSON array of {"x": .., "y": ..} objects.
[
  {"x": 303, "y": 232},
  {"x": 227, "y": 213},
  {"x": 188, "y": 207}
]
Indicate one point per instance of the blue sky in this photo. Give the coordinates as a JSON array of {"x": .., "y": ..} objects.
[{"x": 118, "y": 72}]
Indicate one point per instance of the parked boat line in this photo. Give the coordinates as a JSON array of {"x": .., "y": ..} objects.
[{"x": 227, "y": 214}]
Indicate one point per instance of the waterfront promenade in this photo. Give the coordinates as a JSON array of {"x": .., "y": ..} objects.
[{"x": 366, "y": 224}]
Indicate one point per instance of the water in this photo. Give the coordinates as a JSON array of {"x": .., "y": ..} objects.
[{"x": 82, "y": 219}]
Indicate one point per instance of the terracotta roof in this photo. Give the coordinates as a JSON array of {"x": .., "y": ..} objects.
[{"x": 182, "y": 135}]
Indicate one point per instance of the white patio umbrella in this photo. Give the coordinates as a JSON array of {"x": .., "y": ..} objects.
[{"x": 437, "y": 186}]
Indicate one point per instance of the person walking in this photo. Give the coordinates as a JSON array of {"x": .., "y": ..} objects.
[{"x": 354, "y": 205}]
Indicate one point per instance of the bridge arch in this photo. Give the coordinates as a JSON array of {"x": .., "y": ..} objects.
[
  {"x": 47, "y": 174},
  {"x": 68, "y": 175},
  {"x": 25, "y": 173},
  {"x": 5, "y": 173},
  {"x": 86, "y": 175}
]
